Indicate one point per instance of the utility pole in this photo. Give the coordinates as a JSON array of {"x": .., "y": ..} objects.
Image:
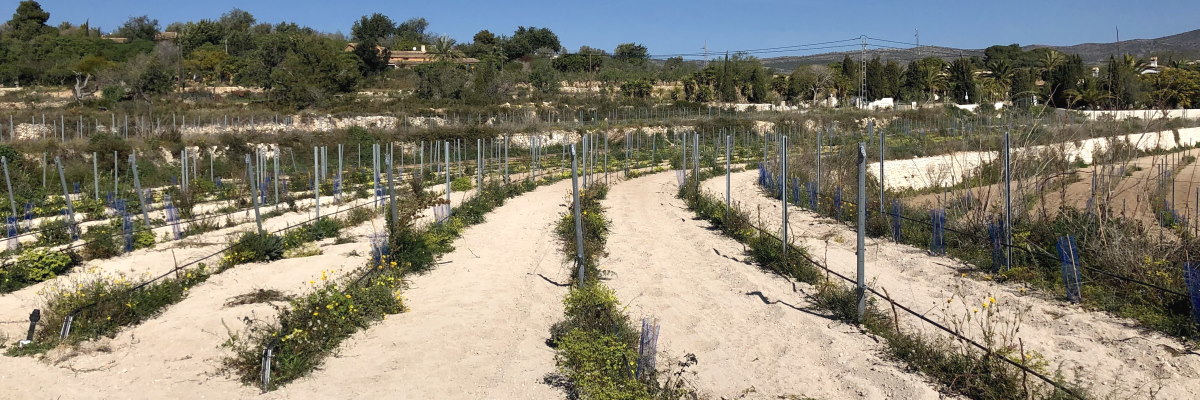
[
  {"x": 862, "y": 72},
  {"x": 917, "y": 34}
]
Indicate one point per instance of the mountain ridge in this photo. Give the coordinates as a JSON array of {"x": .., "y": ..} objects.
[{"x": 1186, "y": 44}]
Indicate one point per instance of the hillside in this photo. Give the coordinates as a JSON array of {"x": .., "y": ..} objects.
[{"x": 1184, "y": 44}]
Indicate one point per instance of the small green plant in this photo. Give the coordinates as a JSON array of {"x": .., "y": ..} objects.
[
  {"x": 254, "y": 247},
  {"x": 462, "y": 184},
  {"x": 53, "y": 232},
  {"x": 35, "y": 265},
  {"x": 100, "y": 242},
  {"x": 102, "y": 306}
]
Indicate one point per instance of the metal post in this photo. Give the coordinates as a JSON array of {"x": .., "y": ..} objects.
[
  {"x": 391, "y": 168},
  {"x": 861, "y": 252},
  {"x": 783, "y": 162},
  {"x": 882, "y": 157},
  {"x": 375, "y": 171},
  {"x": 116, "y": 174},
  {"x": 137, "y": 185},
  {"x": 12, "y": 201},
  {"x": 579, "y": 261},
  {"x": 317, "y": 179},
  {"x": 683, "y": 145},
  {"x": 275, "y": 175},
  {"x": 478, "y": 165},
  {"x": 96, "y": 173},
  {"x": 728, "y": 174},
  {"x": 1007, "y": 200},
  {"x": 250, "y": 179},
  {"x": 818, "y": 178},
  {"x": 446, "y": 149}
]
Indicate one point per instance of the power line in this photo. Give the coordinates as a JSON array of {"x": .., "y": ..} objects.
[{"x": 796, "y": 47}]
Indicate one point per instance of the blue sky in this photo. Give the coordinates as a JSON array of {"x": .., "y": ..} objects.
[{"x": 668, "y": 27}]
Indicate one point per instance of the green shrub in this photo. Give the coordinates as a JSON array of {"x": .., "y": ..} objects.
[
  {"x": 101, "y": 241},
  {"x": 254, "y": 247},
  {"x": 53, "y": 232},
  {"x": 109, "y": 303},
  {"x": 143, "y": 239},
  {"x": 33, "y": 266},
  {"x": 601, "y": 366},
  {"x": 462, "y": 184}
]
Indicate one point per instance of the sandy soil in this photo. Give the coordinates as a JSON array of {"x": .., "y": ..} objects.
[
  {"x": 751, "y": 332},
  {"x": 948, "y": 169},
  {"x": 478, "y": 324},
  {"x": 1108, "y": 355},
  {"x": 177, "y": 354},
  {"x": 1128, "y": 196}
]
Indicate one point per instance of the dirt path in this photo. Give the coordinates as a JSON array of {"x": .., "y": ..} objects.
[
  {"x": 671, "y": 267},
  {"x": 168, "y": 356},
  {"x": 478, "y": 323},
  {"x": 1110, "y": 356}
]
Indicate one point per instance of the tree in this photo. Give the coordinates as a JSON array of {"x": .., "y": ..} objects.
[
  {"x": 440, "y": 81},
  {"x": 963, "y": 87},
  {"x": 640, "y": 88},
  {"x": 413, "y": 30},
  {"x": 29, "y": 21},
  {"x": 631, "y": 52},
  {"x": 1001, "y": 69},
  {"x": 1064, "y": 76},
  {"x": 484, "y": 38},
  {"x": 874, "y": 80},
  {"x": 139, "y": 28},
  {"x": 528, "y": 40},
  {"x": 312, "y": 69},
  {"x": 1175, "y": 88},
  {"x": 1089, "y": 95},
  {"x": 544, "y": 79},
  {"x": 370, "y": 31},
  {"x": 85, "y": 68},
  {"x": 373, "y": 28},
  {"x": 443, "y": 49},
  {"x": 760, "y": 86}
]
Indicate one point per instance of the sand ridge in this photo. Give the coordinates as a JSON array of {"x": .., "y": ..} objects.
[
  {"x": 1108, "y": 355},
  {"x": 712, "y": 304}
]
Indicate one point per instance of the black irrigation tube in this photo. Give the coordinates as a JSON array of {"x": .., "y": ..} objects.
[
  {"x": 960, "y": 337},
  {"x": 75, "y": 312},
  {"x": 1026, "y": 250}
]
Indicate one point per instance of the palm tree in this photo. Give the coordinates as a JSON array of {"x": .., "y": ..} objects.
[
  {"x": 1050, "y": 60},
  {"x": 932, "y": 77},
  {"x": 1134, "y": 64},
  {"x": 443, "y": 49},
  {"x": 1090, "y": 95},
  {"x": 1002, "y": 71}
]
